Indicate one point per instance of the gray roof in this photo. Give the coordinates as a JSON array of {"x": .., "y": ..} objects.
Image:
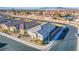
[
  {"x": 31, "y": 24},
  {"x": 2, "y": 20},
  {"x": 15, "y": 23},
  {"x": 43, "y": 33},
  {"x": 8, "y": 23},
  {"x": 48, "y": 27},
  {"x": 35, "y": 28}
]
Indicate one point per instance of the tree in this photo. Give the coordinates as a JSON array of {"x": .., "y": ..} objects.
[
  {"x": 28, "y": 12},
  {"x": 57, "y": 14},
  {"x": 67, "y": 15},
  {"x": 41, "y": 13}
]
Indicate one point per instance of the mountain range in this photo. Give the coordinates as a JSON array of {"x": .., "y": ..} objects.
[{"x": 38, "y": 8}]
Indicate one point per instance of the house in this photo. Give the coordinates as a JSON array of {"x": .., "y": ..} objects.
[
  {"x": 5, "y": 25},
  {"x": 12, "y": 25},
  {"x": 77, "y": 19},
  {"x": 42, "y": 31},
  {"x": 2, "y": 20},
  {"x": 31, "y": 24},
  {"x": 32, "y": 31}
]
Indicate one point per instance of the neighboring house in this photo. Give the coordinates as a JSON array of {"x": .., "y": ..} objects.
[
  {"x": 2, "y": 20},
  {"x": 12, "y": 25},
  {"x": 31, "y": 24},
  {"x": 12, "y": 29},
  {"x": 5, "y": 25},
  {"x": 76, "y": 19},
  {"x": 18, "y": 25}
]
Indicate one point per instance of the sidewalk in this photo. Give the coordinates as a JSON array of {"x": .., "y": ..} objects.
[{"x": 78, "y": 42}]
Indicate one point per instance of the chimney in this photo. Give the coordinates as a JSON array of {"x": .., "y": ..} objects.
[{"x": 21, "y": 29}]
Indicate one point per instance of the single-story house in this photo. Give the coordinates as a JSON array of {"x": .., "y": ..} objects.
[
  {"x": 12, "y": 25},
  {"x": 32, "y": 31},
  {"x": 41, "y": 32},
  {"x": 2, "y": 20}
]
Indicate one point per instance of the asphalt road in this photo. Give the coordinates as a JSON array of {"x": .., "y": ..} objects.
[{"x": 69, "y": 43}]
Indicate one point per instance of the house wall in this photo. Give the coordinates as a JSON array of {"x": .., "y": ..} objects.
[
  {"x": 31, "y": 34},
  {"x": 3, "y": 26},
  {"x": 39, "y": 36},
  {"x": 35, "y": 35},
  {"x": 12, "y": 28},
  {"x": 21, "y": 31}
]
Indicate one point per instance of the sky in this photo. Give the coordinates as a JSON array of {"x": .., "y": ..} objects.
[{"x": 39, "y": 3}]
